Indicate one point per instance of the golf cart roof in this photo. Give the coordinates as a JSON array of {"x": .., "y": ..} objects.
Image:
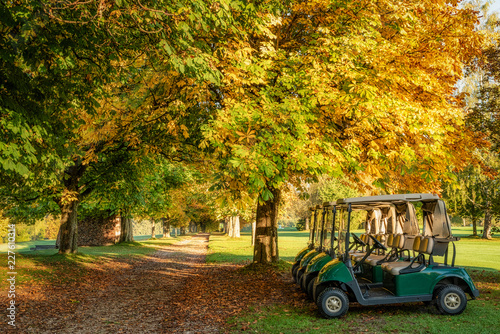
[{"x": 398, "y": 198}]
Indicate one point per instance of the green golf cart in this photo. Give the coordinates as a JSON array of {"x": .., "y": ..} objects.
[
  {"x": 407, "y": 272},
  {"x": 381, "y": 219},
  {"x": 373, "y": 224},
  {"x": 313, "y": 235},
  {"x": 318, "y": 239},
  {"x": 326, "y": 250}
]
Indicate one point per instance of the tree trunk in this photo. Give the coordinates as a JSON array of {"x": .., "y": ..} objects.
[
  {"x": 307, "y": 224},
  {"x": 68, "y": 242},
  {"x": 175, "y": 232},
  {"x": 253, "y": 233},
  {"x": 68, "y": 203},
  {"x": 166, "y": 227},
  {"x": 487, "y": 223},
  {"x": 236, "y": 227},
  {"x": 58, "y": 239},
  {"x": 464, "y": 223},
  {"x": 224, "y": 226},
  {"x": 153, "y": 229},
  {"x": 230, "y": 226},
  {"x": 126, "y": 232},
  {"x": 474, "y": 227},
  {"x": 183, "y": 230},
  {"x": 266, "y": 232}
]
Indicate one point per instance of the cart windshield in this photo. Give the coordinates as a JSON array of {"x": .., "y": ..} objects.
[
  {"x": 329, "y": 229},
  {"x": 318, "y": 225},
  {"x": 342, "y": 228},
  {"x": 311, "y": 228}
]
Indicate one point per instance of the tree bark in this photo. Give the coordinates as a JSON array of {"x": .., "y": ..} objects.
[
  {"x": 474, "y": 226},
  {"x": 126, "y": 231},
  {"x": 307, "y": 224},
  {"x": 166, "y": 227},
  {"x": 68, "y": 203},
  {"x": 153, "y": 229},
  {"x": 183, "y": 230},
  {"x": 266, "y": 232},
  {"x": 253, "y": 233},
  {"x": 68, "y": 242},
  {"x": 230, "y": 226},
  {"x": 487, "y": 223},
  {"x": 236, "y": 227}
]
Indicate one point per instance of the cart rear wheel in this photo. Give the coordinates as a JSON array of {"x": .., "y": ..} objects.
[
  {"x": 310, "y": 289},
  {"x": 298, "y": 276},
  {"x": 333, "y": 303},
  {"x": 295, "y": 267},
  {"x": 451, "y": 300}
]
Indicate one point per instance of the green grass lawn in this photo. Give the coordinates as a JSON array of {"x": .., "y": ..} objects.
[
  {"x": 471, "y": 252},
  {"x": 240, "y": 250},
  {"x": 479, "y": 257}
]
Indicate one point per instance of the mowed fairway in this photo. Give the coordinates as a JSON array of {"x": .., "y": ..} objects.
[
  {"x": 475, "y": 253},
  {"x": 300, "y": 315}
]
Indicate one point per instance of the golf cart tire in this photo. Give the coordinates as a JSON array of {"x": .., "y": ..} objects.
[
  {"x": 299, "y": 277},
  {"x": 310, "y": 289},
  {"x": 301, "y": 283},
  {"x": 295, "y": 267},
  {"x": 333, "y": 303},
  {"x": 451, "y": 300}
]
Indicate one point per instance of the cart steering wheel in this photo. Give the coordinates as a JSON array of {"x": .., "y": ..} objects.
[
  {"x": 358, "y": 240},
  {"x": 378, "y": 244}
]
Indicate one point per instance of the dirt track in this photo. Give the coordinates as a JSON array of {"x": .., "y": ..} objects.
[
  {"x": 136, "y": 298},
  {"x": 171, "y": 291}
]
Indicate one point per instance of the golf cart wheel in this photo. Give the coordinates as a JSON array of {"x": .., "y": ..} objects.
[
  {"x": 298, "y": 277},
  {"x": 301, "y": 282},
  {"x": 333, "y": 303},
  {"x": 295, "y": 267},
  {"x": 310, "y": 289},
  {"x": 451, "y": 300}
]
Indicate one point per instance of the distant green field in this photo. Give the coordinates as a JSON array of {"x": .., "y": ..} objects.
[{"x": 471, "y": 252}]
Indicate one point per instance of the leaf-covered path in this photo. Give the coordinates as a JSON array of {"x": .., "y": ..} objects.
[
  {"x": 138, "y": 300},
  {"x": 128, "y": 296},
  {"x": 171, "y": 291}
]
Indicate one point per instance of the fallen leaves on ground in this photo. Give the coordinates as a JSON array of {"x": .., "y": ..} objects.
[
  {"x": 172, "y": 291},
  {"x": 222, "y": 291}
]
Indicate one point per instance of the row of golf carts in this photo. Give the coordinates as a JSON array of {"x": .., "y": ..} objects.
[{"x": 391, "y": 262}]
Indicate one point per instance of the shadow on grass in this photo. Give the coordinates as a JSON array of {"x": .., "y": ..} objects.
[
  {"x": 296, "y": 234},
  {"x": 474, "y": 269},
  {"x": 226, "y": 257},
  {"x": 161, "y": 242},
  {"x": 477, "y": 237}
]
